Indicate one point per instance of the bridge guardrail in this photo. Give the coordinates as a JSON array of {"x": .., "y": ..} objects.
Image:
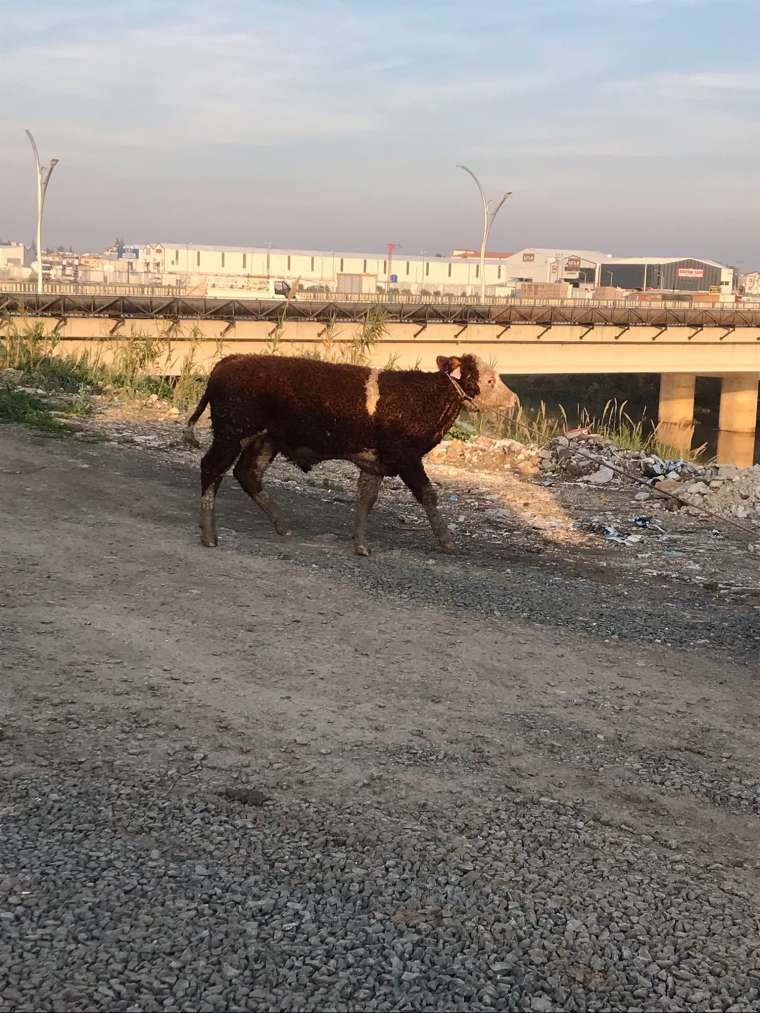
[
  {"x": 383, "y": 298},
  {"x": 505, "y": 313},
  {"x": 170, "y": 292},
  {"x": 75, "y": 288}
]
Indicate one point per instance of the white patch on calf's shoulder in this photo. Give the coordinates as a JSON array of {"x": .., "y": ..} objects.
[{"x": 372, "y": 391}]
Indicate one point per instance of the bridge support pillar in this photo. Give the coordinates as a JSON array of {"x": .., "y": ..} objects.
[
  {"x": 738, "y": 419},
  {"x": 676, "y": 412}
]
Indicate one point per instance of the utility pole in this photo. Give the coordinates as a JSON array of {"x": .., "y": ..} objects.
[
  {"x": 43, "y": 174},
  {"x": 490, "y": 211}
]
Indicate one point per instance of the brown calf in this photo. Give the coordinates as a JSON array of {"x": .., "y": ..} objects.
[{"x": 384, "y": 421}]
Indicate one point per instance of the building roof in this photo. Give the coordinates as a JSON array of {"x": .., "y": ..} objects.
[
  {"x": 399, "y": 254},
  {"x": 663, "y": 260},
  {"x": 490, "y": 254},
  {"x": 290, "y": 251},
  {"x": 553, "y": 251}
]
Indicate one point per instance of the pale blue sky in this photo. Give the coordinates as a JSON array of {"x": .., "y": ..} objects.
[{"x": 628, "y": 126}]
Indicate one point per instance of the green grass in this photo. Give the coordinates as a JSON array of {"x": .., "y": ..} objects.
[
  {"x": 137, "y": 367},
  {"x": 16, "y": 406},
  {"x": 460, "y": 432}
]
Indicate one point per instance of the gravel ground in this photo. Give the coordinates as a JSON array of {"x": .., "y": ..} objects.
[
  {"x": 122, "y": 897},
  {"x": 522, "y": 777},
  {"x": 514, "y": 531}
]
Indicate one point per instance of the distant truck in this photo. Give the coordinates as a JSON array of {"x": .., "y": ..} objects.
[{"x": 250, "y": 288}]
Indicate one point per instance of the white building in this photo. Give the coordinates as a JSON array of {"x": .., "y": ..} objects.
[
  {"x": 14, "y": 260},
  {"x": 206, "y": 269},
  {"x": 539, "y": 265},
  {"x": 750, "y": 284}
]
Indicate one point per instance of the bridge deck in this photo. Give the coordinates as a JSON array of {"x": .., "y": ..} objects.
[{"x": 569, "y": 312}]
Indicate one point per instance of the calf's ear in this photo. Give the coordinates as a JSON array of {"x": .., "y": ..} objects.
[{"x": 450, "y": 365}]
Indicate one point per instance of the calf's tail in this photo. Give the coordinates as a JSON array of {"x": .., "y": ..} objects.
[{"x": 188, "y": 437}]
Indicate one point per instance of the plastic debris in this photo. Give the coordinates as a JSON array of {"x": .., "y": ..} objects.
[{"x": 645, "y": 521}]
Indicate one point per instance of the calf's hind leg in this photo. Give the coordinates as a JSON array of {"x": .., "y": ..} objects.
[
  {"x": 369, "y": 487},
  {"x": 416, "y": 480},
  {"x": 249, "y": 471},
  {"x": 216, "y": 461}
]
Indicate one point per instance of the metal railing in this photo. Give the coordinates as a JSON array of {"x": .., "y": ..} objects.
[
  {"x": 395, "y": 299},
  {"x": 390, "y": 298},
  {"x": 88, "y": 288},
  {"x": 590, "y": 313}
]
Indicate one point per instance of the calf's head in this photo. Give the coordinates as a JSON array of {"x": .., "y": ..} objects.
[{"x": 479, "y": 381}]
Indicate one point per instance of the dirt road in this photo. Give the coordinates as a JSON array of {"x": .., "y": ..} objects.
[{"x": 408, "y": 683}]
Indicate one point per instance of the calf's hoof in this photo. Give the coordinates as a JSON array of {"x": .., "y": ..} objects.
[
  {"x": 361, "y": 550},
  {"x": 283, "y": 532},
  {"x": 209, "y": 542},
  {"x": 448, "y": 547}
]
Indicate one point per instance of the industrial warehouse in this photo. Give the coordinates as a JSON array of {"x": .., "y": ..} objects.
[
  {"x": 526, "y": 272},
  {"x": 669, "y": 274},
  {"x": 236, "y": 271}
]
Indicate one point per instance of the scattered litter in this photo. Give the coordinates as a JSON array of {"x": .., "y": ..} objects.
[
  {"x": 594, "y": 527},
  {"x": 644, "y": 521},
  {"x": 611, "y": 532}
]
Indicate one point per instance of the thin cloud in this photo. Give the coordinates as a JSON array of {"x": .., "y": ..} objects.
[{"x": 685, "y": 85}]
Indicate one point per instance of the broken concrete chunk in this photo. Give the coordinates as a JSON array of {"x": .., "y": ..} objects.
[
  {"x": 696, "y": 488},
  {"x": 669, "y": 485},
  {"x": 601, "y": 476}
]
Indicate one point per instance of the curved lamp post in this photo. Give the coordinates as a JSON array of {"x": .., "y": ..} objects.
[
  {"x": 43, "y": 178},
  {"x": 490, "y": 211}
]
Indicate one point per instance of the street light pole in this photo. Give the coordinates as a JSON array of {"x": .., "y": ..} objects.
[
  {"x": 43, "y": 174},
  {"x": 490, "y": 211}
]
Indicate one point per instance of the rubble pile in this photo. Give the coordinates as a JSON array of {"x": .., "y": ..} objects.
[
  {"x": 485, "y": 454},
  {"x": 592, "y": 458},
  {"x": 724, "y": 489}
]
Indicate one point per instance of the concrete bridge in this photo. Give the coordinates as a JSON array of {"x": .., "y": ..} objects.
[{"x": 678, "y": 340}]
